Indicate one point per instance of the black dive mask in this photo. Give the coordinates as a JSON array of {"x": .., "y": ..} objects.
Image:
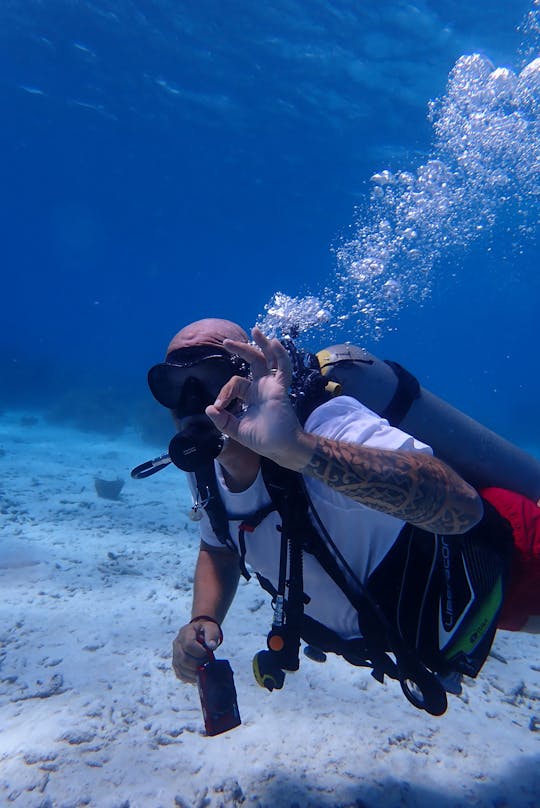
[
  {"x": 186, "y": 383},
  {"x": 191, "y": 378}
]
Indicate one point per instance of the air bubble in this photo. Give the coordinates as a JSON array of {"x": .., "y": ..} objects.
[{"x": 485, "y": 160}]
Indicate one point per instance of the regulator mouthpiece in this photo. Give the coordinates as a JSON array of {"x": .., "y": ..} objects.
[{"x": 197, "y": 443}]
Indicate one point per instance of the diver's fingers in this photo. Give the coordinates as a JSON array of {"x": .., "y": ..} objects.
[
  {"x": 250, "y": 353},
  {"x": 188, "y": 654},
  {"x": 276, "y": 355},
  {"x": 237, "y": 387},
  {"x": 224, "y": 421},
  {"x": 262, "y": 341},
  {"x": 208, "y": 634}
]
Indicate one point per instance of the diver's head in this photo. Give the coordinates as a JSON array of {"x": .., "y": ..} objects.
[
  {"x": 195, "y": 369},
  {"x": 211, "y": 331}
]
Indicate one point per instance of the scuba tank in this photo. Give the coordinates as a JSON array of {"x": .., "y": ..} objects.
[{"x": 477, "y": 454}]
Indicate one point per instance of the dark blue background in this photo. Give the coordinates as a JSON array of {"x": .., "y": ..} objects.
[{"x": 164, "y": 161}]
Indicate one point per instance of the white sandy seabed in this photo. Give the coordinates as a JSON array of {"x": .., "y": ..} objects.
[{"x": 92, "y": 594}]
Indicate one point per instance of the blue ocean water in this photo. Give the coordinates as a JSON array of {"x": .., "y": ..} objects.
[{"x": 168, "y": 160}]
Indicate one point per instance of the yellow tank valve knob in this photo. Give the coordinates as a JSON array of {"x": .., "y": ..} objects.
[{"x": 334, "y": 388}]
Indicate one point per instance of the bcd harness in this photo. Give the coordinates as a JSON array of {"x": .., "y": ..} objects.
[
  {"x": 298, "y": 535},
  {"x": 302, "y": 531}
]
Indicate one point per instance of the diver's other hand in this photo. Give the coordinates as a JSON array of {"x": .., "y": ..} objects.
[{"x": 189, "y": 648}]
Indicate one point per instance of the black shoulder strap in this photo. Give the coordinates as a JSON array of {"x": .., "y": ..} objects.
[
  {"x": 248, "y": 525},
  {"x": 213, "y": 504},
  {"x": 214, "y": 507},
  {"x": 284, "y": 487},
  {"x": 407, "y": 391}
]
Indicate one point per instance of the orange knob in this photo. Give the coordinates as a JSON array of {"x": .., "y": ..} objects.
[{"x": 276, "y": 642}]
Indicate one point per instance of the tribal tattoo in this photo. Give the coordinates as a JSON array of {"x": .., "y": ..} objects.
[{"x": 417, "y": 488}]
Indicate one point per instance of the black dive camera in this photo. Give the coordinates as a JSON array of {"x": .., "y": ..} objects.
[{"x": 218, "y": 695}]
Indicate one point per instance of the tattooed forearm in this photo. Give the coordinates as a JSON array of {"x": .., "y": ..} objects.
[{"x": 414, "y": 487}]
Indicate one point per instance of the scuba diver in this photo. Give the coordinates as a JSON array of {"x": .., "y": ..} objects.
[{"x": 315, "y": 474}]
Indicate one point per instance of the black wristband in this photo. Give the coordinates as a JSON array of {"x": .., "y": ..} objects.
[{"x": 208, "y": 619}]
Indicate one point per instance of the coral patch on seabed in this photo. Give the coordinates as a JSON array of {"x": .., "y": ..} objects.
[{"x": 93, "y": 592}]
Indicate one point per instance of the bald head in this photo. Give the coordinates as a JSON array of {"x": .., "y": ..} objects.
[{"x": 211, "y": 331}]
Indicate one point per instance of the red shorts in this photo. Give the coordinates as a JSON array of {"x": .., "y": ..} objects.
[{"x": 523, "y": 593}]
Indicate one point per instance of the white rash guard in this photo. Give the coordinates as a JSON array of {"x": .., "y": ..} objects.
[{"x": 364, "y": 536}]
